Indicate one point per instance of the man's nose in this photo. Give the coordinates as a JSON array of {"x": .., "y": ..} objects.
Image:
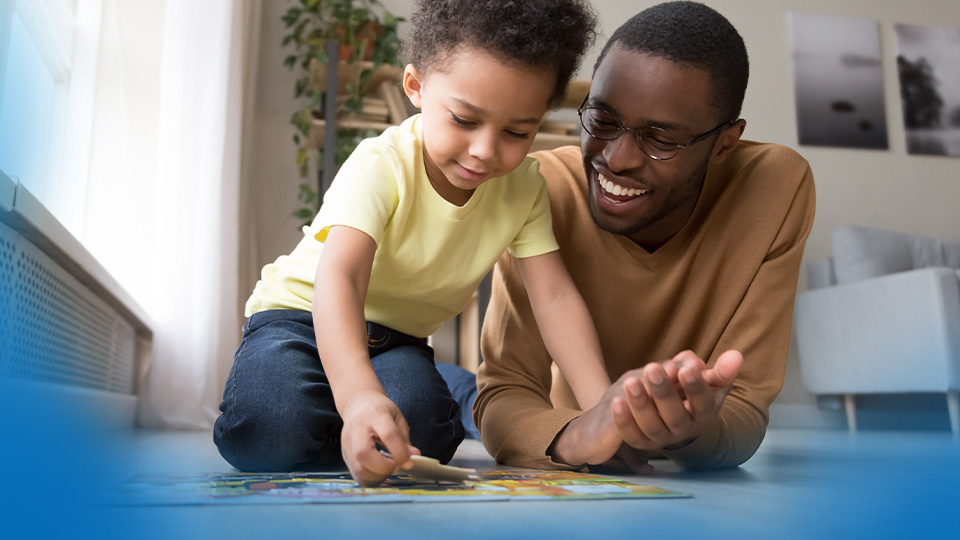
[{"x": 624, "y": 154}]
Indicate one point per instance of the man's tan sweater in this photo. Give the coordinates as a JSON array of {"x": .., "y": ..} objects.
[{"x": 727, "y": 280}]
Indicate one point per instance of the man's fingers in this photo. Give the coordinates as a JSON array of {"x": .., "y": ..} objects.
[
  {"x": 667, "y": 416},
  {"x": 636, "y": 460},
  {"x": 623, "y": 418},
  {"x": 725, "y": 371},
  {"x": 701, "y": 399}
]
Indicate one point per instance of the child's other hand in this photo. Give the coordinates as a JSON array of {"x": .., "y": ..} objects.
[{"x": 370, "y": 418}]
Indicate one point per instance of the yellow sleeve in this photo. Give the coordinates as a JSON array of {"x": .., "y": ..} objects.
[
  {"x": 364, "y": 194},
  {"x": 536, "y": 235}
]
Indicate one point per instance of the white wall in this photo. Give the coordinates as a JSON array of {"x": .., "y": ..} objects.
[{"x": 865, "y": 187}]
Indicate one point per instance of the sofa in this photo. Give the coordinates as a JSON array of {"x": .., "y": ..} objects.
[{"x": 882, "y": 315}]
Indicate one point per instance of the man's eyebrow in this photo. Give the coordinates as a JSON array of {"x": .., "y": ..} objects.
[
  {"x": 669, "y": 126},
  {"x": 474, "y": 109}
]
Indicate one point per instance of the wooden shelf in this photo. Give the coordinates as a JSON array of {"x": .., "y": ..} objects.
[{"x": 547, "y": 141}]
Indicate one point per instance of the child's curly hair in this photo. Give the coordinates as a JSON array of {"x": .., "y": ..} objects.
[{"x": 539, "y": 33}]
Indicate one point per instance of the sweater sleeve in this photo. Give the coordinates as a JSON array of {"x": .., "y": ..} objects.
[{"x": 760, "y": 329}]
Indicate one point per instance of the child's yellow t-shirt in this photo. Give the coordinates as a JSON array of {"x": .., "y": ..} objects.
[{"x": 431, "y": 254}]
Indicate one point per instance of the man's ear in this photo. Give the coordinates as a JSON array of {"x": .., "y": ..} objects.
[
  {"x": 727, "y": 143},
  {"x": 413, "y": 84}
]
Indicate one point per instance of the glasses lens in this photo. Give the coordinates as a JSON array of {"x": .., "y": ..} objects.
[
  {"x": 600, "y": 123},
  {"x": 657, "y": 143}
]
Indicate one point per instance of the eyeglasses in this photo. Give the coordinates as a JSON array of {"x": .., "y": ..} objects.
[{"x": 655, "y": 142}]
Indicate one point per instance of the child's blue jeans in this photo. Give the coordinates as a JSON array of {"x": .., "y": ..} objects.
[{"x": 278, "y": 412}]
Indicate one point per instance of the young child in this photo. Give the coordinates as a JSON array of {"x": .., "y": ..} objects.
[{"x": 410, "y": 226}]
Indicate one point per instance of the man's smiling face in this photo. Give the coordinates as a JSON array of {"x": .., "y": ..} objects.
[{"x": 631, "y": 193}]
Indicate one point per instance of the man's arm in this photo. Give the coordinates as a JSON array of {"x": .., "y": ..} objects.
[{"x": 760, "y": 330}]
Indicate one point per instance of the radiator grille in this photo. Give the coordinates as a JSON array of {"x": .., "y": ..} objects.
[
  {"x": 7, "y": 279},
  {"x": 56, "y": 330}
]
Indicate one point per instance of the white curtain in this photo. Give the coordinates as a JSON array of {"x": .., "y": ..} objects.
[{"x": 162, "y": 205}]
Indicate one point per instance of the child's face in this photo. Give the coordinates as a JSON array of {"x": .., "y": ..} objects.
[{"x": 479, "y": 118}]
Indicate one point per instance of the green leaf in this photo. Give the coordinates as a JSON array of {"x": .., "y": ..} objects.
[
  {"x": 301, "y": 156},
  {"x": 290, "y": 61},
  {"x": 298, "y": 31},
  {"x": 296, "y": 139},
  {"x": 300, "y": 86},
  {"x": 290, "y": 18},
  {"x": 354, "y": 104},
  {"x": 303, "y": 213}
]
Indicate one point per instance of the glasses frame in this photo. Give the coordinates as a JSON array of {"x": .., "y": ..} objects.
[{"x": 638, "y": 136}]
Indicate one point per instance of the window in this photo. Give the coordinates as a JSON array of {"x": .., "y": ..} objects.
[{"x": 47, "y": 77}]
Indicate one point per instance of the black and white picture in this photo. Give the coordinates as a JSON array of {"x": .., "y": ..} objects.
[
  {"x": 838, "y": 79},
  {"x": 928, "y": 62}
]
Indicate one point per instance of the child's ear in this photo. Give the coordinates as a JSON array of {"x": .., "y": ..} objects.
[{"x": 413, "y": 84}]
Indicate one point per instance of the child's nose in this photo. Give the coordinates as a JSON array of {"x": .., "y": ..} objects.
[{"x": 483, "y": 146}]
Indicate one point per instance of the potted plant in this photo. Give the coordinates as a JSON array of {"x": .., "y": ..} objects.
[{"x": 367, "y": 34}]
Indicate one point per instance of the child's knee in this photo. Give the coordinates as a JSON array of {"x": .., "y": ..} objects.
[
  {"x": 435, "y": 426},
  {"x": 276, "y": 439}
]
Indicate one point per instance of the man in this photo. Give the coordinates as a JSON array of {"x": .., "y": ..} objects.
[{"x": 684, "y": 241}]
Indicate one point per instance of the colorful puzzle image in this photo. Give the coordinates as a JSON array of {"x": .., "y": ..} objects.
[{"x": 339, "y": 487}]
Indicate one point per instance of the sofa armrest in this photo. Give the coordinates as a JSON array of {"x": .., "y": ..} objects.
[{"x": 894, "y": 333}]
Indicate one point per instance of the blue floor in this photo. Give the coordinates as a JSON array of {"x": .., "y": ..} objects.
[{"x": 800, "y": 484}]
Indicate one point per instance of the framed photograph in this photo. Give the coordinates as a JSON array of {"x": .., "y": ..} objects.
[
  {"x": 838, "y": 79},
  {"x": 928, "y": 62}
]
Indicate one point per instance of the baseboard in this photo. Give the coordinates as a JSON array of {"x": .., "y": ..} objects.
[
  {"x": 912, "y": 412},
  {"x": 105, "y": 410},
  {"x": 806, "y": 416}
]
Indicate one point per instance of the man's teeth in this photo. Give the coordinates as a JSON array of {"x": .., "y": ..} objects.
[{"x": 617, "y": 189}]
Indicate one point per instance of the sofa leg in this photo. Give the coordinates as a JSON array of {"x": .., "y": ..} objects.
[
  {"x": 953, "y": 405},
  {"x": 851, "y": 406}
]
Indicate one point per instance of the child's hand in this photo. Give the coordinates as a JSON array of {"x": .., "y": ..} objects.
[{"x": 370, "y": 418}]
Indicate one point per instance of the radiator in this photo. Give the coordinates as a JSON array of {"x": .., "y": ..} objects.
[{"x": 65, "y": 324}]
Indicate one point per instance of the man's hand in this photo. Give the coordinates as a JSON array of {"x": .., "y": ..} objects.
[
  {"x": 628, "y": 459},
  {"x": 368, "y": 419},
  {"x": 688, "y": 398},
  {"x": 668, "y": 405}
]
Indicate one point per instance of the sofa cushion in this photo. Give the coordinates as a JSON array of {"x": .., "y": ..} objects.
[
  {"x": 861, "y": 253},
  {"x": 927, "y": 252},
  {"x": 820, "y": 274},
  {"x": 951, "y": 253}
]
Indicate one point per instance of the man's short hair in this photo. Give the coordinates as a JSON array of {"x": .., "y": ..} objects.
[{"x": 693, "y": 34}]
